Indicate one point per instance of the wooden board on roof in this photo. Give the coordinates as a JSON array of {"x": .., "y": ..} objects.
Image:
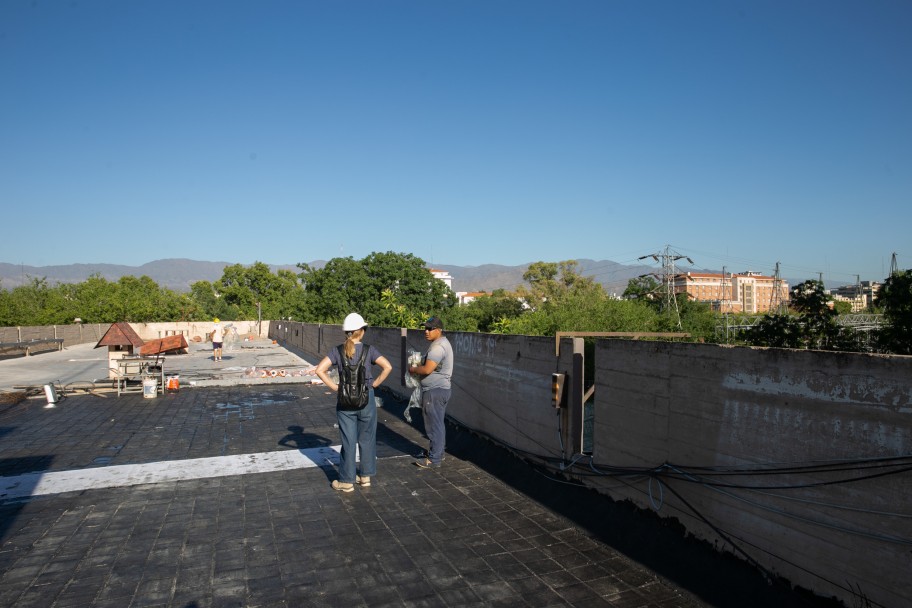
[{"x": 168, "y": 344}]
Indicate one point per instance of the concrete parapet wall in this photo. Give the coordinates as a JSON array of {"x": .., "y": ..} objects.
[
  {"x": 661, "y": 405},
  {"x": 721, "y": 409},
  {"x": 501, "y": 384}
]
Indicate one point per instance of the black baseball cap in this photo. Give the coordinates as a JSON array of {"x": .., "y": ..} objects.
[{"x": 432, "y": 323}]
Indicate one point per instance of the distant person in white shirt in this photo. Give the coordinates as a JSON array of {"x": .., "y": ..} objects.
[{"x": 218, "y": 336}]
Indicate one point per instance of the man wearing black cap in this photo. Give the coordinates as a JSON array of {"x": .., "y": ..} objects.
[{"x": 436, "y": 369}]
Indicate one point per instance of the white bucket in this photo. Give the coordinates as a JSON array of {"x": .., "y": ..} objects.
[{"x": 150, "y": 388}]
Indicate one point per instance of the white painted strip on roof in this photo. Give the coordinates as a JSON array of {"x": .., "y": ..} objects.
[{"x": 57, "y": 482}]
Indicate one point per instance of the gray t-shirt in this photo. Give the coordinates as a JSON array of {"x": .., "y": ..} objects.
[{"x": 440, "y": 351}]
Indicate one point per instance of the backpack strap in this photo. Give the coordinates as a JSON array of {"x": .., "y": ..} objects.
[{"x": 345, "y": 361}]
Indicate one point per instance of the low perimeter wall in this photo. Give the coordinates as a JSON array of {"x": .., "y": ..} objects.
[
  {"x": 92, "y": 332},
  {"x": 796, "y": 461}
]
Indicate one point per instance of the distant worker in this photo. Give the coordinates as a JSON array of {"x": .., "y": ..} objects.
[
  {"x": 436, "y": 370},
  {"x": 218, "y": 337}
]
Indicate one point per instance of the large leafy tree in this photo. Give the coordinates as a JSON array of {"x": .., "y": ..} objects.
[
  {"x": 385, "y": 288},
  {"x": 814, "y": 327},
  {"x": 644, "y": 287},
  {"x": 37, "y": 303},
  {"x": 97, "y": 300},
  {"x": 549, "y": 282},
  {"x": 560, "y": 299},
  {"x": 141, "y": 300},
  {"x": 487, "y": 313},
  {"x": 242, "y": 289},
  {"x": 582, "y": 312},
  {"x": 895, "y": 299}
]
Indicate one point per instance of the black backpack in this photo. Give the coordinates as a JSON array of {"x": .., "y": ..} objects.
[{"x": 353, "y": 389}]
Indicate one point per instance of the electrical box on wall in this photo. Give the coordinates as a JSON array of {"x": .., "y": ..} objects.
[{"x": 558, "y": 398}]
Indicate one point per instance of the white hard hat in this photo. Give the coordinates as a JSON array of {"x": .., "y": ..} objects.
[{"x": 353, "y": 321}]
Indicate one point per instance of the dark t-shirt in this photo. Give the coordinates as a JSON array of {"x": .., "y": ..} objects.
[{"x": 372, "y": 355}]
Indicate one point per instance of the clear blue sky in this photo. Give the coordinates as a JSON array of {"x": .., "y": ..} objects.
[{"x": 464, "y": 132}]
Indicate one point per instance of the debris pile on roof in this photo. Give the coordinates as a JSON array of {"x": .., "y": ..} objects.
[
  {"x": 12, "y": 397},
  {"x": 266, "y": 372}
]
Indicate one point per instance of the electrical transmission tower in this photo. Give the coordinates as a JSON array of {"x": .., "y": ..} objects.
[
  {"x": 777, "y": 304},
  {"x": 668, "y": 258},
  {"x": 893, "y": 267}
]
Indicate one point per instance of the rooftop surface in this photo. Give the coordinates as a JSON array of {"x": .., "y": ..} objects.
[{"x": 218, "y": 494}]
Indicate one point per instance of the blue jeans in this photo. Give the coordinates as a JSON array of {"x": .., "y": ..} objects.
[
  {"x": 358, "y": 428},
  {"x": 433, "y": 404}
]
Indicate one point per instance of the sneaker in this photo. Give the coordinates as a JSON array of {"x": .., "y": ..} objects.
[
  {"x": 343, "y": 487},
  {"x": 425, "y": 455},
  {"x": 362, "y": 481},
  {"x": 425, "y": 463}
]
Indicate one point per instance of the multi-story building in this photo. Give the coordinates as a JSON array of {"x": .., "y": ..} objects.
[
  {"x": 748, "y": 291},
  {"x": 443, "y": 275},
  {"x": 861, "y": 296}
]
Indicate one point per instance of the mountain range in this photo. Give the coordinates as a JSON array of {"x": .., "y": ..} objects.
[{"x": 178, "y": 274}]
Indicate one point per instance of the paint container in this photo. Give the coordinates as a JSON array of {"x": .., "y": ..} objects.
[
  {"x": 173, "y": 383},
  {"x": 150, "y": 388}
]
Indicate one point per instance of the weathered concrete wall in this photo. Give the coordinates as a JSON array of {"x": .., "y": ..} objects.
[
  {"x": 193, "y": 329},
  {"x": 724, "y": 408},
  {"x": 661, "y": 405},
  {"x": 501, "y": 384}
]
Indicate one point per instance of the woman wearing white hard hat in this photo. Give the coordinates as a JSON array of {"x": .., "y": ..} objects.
[{"x": 356, "y": 409}]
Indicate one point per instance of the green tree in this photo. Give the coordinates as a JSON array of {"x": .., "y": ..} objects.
[
  {"x": 550, "y": 281},
  {"x": 642, "y": 288},
  {"x": 818, "y": 318},
  {"x": 347, "y": 285},
  {"x": 96, "y": 299},
  {"x": 778, "y": 330},
  {"x": 815, "y": 327},
  {"x": 241, "y": 289},
  {"x": 697, "y": 318},
  {"x": 485, "y": 311},
  {"x": 895, "y": 299},
  {"x": 206, "y": 303},
  {"x": 141, "y": 300},
  {"x": 583, "y": 312},
  {"x": 841, "y": 307},
  {"x": 38, "y": 303}
]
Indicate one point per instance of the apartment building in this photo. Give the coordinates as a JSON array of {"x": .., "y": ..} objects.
[
  {"x": 749, "y": 292},
  {"x": 861, "y": 296},
  {"x": 443, "y": 275}
]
